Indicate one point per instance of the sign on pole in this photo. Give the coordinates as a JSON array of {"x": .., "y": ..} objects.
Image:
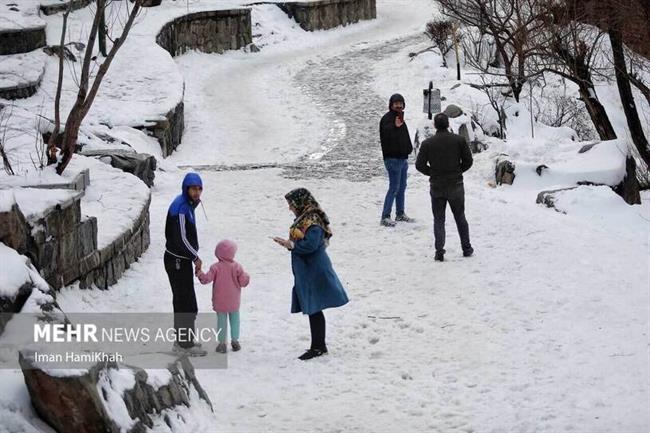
[{"x": 432, "y": 102}]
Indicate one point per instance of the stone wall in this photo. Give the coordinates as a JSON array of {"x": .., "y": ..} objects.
[
  {"x": 169, "y": 131},
  {"x": 21, "y": 41},
  {"x": 104, "y": 267},
  {"x": 55, "y": 8},
  {"x": 63, "y": 246},
  {"x": 24, "y": 90},
  {"x": 209, "y": 31},
  {"x": 59, "y": 239},
  {"x": 327, "y": 14}
]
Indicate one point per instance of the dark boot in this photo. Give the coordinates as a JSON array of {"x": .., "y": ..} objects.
[
  {"x": 440, "y": 256},
  {"x": 312, "y": 353}
]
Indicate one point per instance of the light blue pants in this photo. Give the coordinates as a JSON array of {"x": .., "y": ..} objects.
[{"x": 222, "y": 325}]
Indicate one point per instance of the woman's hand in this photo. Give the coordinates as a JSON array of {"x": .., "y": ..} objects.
[{"x": 284, "y": 242}]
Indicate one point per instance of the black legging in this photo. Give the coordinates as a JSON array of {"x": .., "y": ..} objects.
[{"x": 317, "y": 327}]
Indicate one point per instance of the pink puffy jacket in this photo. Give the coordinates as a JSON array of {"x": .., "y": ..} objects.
[{"x": 227, "y": 278}]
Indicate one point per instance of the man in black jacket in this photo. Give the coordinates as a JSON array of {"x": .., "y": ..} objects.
[
  {"x": 444, "y": 158},
  {"x": 181, "y": 250},
  {"x": 395, "y": 148}
]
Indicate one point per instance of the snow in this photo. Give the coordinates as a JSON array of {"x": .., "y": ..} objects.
[
  {"x": 14, "y": 272},
  {"x": 115, "y": 198},
  {"x": 594, "y": 203},
  {"x": 7, "y": 200},
  {"x": 26, "y": 17},
  {"x": 545, "y": 329},
  {"x": 158, "y": 378},
  {"x": 33, "y": 202},
  {"x": 21, "y": 69},
  {"x": 111, "y": 385}
]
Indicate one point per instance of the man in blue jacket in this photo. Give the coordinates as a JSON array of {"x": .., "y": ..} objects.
[{"x": 181, "y": 250}]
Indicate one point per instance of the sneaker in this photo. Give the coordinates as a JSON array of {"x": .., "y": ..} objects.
[
  {"x": 221, "y": 348},
  {"x": 235, "y": 345},
  {"x": 440, "y": 256},
  {"x": 189, "y": 351},
  {"x": 312, "y": 353},
  {"x": 404, "y": 218},
  {"x": 195, "y": 345},
  {"x": 387, "y": 222},
  {"x": 468, "y": 252}
]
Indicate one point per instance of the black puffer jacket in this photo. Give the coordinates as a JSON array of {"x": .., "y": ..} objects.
[
  {"x": 395, "y": 142},
  {"x": 444, "y": 158}
]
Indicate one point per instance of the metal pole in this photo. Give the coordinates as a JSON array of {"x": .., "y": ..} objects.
[
  {"x": 532, "y": 124},
  {"x": 430, "y": 91},
  {"x": 455, "y": 29}
]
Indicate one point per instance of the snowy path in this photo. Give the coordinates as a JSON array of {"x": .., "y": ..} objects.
[
  {"x": 342, "y": 88},
  {"x": 544, "y": 330}
]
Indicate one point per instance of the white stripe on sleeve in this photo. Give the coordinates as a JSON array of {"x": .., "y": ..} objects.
[{"x": 181, "y": 219}]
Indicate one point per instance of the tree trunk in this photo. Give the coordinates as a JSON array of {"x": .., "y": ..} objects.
[
  {"x": 627, "y": 98},
  {"x": 70, "y": 136},
  {"x": 597, "y": 113},
  {"x": 101, "y": 29}
]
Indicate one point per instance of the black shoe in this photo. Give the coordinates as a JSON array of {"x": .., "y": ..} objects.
[
  {"x": 468, "y": 252},
  {"x": 312, "y": 353},
  {"x": 440, "y": 256}
]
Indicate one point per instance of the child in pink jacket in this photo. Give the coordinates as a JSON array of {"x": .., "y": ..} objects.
[{"x": 227, "y": 278}]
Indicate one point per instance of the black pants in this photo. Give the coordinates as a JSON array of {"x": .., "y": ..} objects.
[
  {"x": 317, "y": 327},
  {"x": 181, "y": 278},
  {"x": 454, "y": 194}
]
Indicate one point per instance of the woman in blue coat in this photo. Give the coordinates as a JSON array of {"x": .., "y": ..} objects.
[{"x": 316, "y": 285}]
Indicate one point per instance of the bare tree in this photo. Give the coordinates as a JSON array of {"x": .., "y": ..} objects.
[
  {"x": 441, "y": 33},
  {"x": 4, "y": 120},
  {"x": 615, "y": 27},
  {"x": 87, "y": 90},
  {"x": 514, "y": 26},
  {"x": 497, "y": 99},
  {"x": 54, "y": 137},
  {"x": 572, "y": 53}
]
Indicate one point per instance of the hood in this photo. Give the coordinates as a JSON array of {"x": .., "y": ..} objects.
[
  {"x": 191, "y": 179},
  {"x": 226, "y": 250},
  {"x": 396, "y": 98}
]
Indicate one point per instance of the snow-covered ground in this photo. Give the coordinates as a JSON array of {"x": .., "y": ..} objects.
[{"x": 545, "y": 329}]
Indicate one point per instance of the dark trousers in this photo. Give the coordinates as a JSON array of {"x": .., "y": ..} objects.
[
  {"x": 317, "y": 327},
  {"x": 181, "y": 278},
  {"x": 454, "y": 194}
]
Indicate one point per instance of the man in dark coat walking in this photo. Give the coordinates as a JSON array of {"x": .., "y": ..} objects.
[
  {"x": 181, "y": 250},
  {"x": 395, "y": 147},
  {"x": 444, "y": 158}
]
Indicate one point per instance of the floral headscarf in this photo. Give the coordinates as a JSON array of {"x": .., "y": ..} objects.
[{"x": 309, "y": 214}]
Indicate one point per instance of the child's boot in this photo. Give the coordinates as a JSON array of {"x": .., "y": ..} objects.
[
  {"x": 221, "y": 348},
  {"x": 235, "y": 345}
]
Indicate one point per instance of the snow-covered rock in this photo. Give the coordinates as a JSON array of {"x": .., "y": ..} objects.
[{"x": 116, "y": 398}]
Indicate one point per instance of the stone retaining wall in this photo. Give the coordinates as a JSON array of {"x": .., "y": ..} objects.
[
  {"x": 59, "y": 239},
  {"x": 24, "y": 90},
  {"x": 63, "y": 246},
  {"x": 62, "y": 7},
  {"x": 104, "y": 267},
  {"x": 21, "y": 41},
  {"x": 327, "y": 14},
  {"x": 169, "y": 131},
  {"x": 209, "y": 31}
]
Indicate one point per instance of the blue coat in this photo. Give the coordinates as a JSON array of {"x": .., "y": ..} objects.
[{"x": 316, "y": 285}]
